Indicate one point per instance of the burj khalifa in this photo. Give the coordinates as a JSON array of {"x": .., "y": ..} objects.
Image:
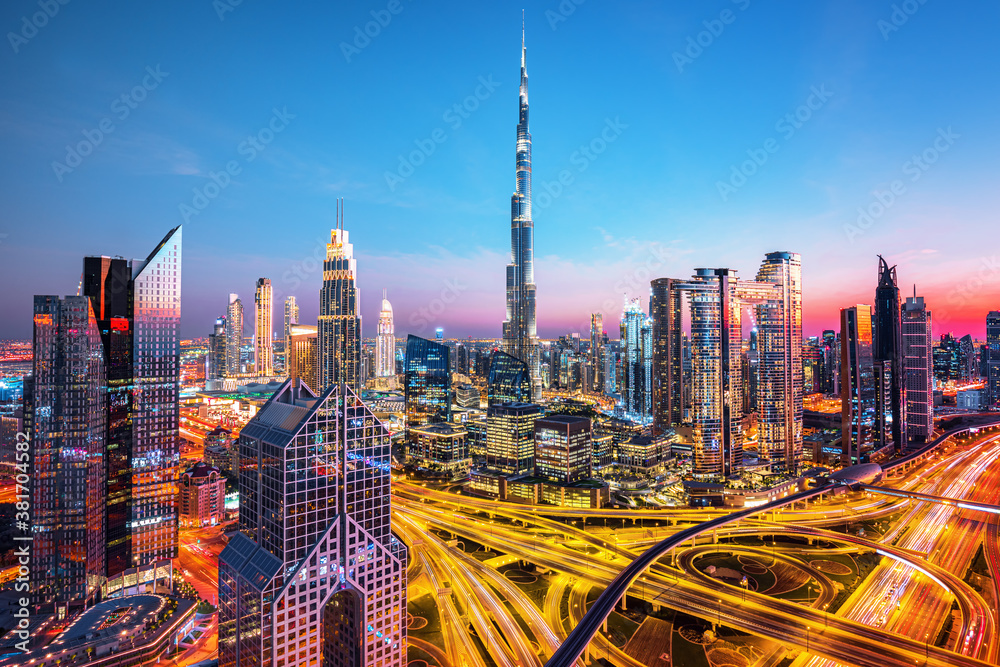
[{"x": 520, "y": 335}]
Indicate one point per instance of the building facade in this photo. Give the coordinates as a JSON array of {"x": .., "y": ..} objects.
[
  {"x": 509, "y": 380},
  {"x": 303, "y": 354},
  {"x": 315, "y": 575},
  {"x": 636, "y": 372},
  {"x": 440, "y": 447},
  {"x": 918, "y": 368},
  {"x": 887, "y": 353},
  {"x": 216, "y": 366},
  {"x": 993, "y": 363}
]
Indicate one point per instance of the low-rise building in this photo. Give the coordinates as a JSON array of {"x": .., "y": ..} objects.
[
  {"x": 202, "y": 496},
  {"x": 440, "y": 447}
]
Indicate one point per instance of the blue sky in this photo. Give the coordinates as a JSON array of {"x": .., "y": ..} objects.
[{"x": 687, "y": 91}]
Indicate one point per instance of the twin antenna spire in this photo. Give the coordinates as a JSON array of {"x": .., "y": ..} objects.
[{"x": 340, "y": 213}]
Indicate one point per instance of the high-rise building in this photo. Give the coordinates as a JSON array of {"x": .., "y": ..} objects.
[
  {"x": 440, "y": 447},
  {"x": 831, "y": 362},
  {"x": 385, "y": 344},
  {"x": 948, "y": 359},
  {"x": 918, "y": 368},
  {"x": 216, "y": 368},
  {"x": 510, "y": 437},
  {"x": 665, "y": 309},
  {"x": 520, "y": 334},
  {"x": 263, "y": 337},
  {"x": 427, "y": 382},
  {"x": 68, "y": 440},
  {"x": 234, "y": 336},
  {"x": 291, "y": 316},
  {"x": 339, "y": 319},
  {"x": 596, "y": 353},
  {"x": 315, "y": 575},
  {"x": 993, "y": 363},
  {"x": 563, "y": 448},
  {"x": 887, "y": 353},
  {"x": 857, "y": 383},
  {"x": 509, "y": 380},
  {"x": 636, "y": 374},
  {"x": 779, "y": 351},
  {"x": 302, "y": 354}
]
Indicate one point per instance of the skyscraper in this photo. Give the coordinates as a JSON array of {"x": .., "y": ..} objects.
[
  {"x": 216, "y": 368},
  {"x": 520, "y": 335},
  {"x": 665, "y": 309},
  {"x": 636, "y": 374},
  {"x": 291, "y": 317},
  {"x": 234, "y": 336},
  {"x": 263, "y": 337},
  {"x": 887, "y": 349},
  {"x": 779, "y": 353},
  {"x": 427, "y": 382},
  {"x": 339, "y": 327},
  {"x": 67, "y": 448},
  {"x": 315, "y": 575},
  {"x": 857, "y": 383},
  {"x": 597, "y": 353},
  {"x": 385, "y": 344},
  {"x": 993, "y": 364},
  {"x": 918, "y": 368}
]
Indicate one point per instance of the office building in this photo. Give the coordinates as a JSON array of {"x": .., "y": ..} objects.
[
  {"x": 339, "y": 327},
  {"x": 441, "y": 448},
  {"x": 263, "y": 337},
  {"x": 520, "y": 336},
  {"x": 303, "y": 354},
  {"x": 858, "y": 384},
  {"x": 234, "y": 336},
  {"x": 427, "y": 382},
  {"x": 918, "y": 368},
  {"x": 510, "y": 437},
  {"x": 385, "y": 344},
  {"x": 315, "y": 575},
  {"x": 509, "y": 380},
  {"x": 563, "y": 449},
  {"x": 68, "y": 440},
  {"x": 216, "y": 366},
  {"x": 887, "y": 353},
  {"x": 201, "y": 496}
]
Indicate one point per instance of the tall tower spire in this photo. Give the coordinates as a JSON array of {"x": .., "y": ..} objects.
[{"x": 520, "y": 338}]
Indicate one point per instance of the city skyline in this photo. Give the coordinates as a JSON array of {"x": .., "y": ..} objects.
[{"x": 628, "y": 212}]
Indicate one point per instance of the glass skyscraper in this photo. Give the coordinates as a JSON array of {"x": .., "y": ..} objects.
[
  {"x": 993, "y": 364},
  {"x": 636, "y": 373},
  {"x": 385, "y": 344},
  {"x": 234, "y": 336},
  {"x": 67, "y": 446},
  {"x": 520, "y": 335},
  {"x": 510, "y": 437},
  {"x": 509, "y": 380},
  {"x": 339, "y": 326},
  {"x": 887, "y": 353},
  {"x": 427, "y": 382},
  {"x": 315, "y": 575}
]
